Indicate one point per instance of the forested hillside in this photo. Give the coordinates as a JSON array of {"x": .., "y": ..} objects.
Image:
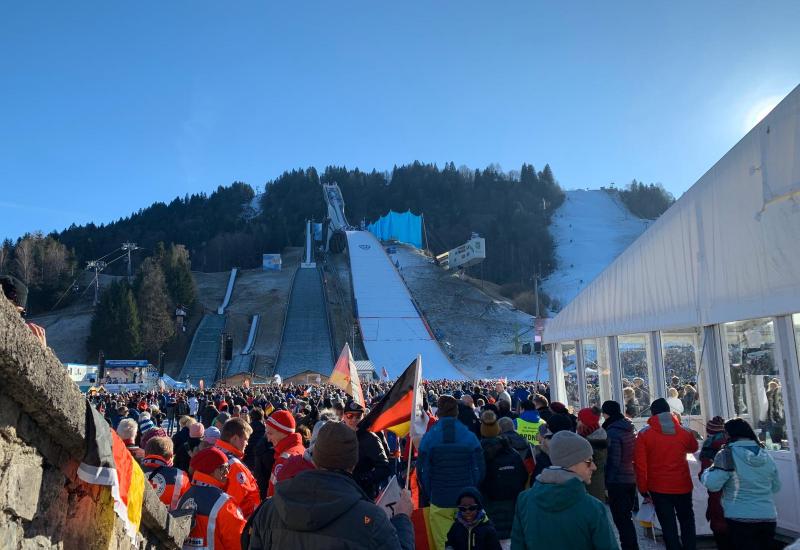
[{"x": 511, "y": 210}]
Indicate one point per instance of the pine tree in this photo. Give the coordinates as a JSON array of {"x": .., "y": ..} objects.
[
  {"x": 154, "y": 305},
  {"x": 115, "y": 325},
  {"x": 178, "y": 275}
]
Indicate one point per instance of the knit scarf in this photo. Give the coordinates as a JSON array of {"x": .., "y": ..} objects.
[{"x": 478, "y": 518}]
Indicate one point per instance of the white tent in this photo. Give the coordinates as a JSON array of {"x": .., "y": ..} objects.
[{"x": 728, "y": 249}]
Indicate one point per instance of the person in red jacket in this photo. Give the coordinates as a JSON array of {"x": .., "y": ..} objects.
[
  {"x": 241, "y": 486},
  {"x": 662, "y": 474},
  {"x": 217, "y": 522},
  {"x": 287, "y": 443},
  {"x": 169, "y": 483}
]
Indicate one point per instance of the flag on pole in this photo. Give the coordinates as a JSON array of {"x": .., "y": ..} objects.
[
  {"x": 345, "y": 376},
  {"x": 202, "y": 385},
  {"x": 400, "y": 410},
  {"x": 385, "y": 373}
]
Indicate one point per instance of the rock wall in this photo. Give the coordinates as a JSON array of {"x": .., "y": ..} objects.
[{"x": 43, "y": 503}]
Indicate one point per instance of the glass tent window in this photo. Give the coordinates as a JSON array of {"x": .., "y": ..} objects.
[
  {"x": 570, "y": 366},
  {"x": 634, "y": 360},
  {"x": 681, "y": 350},
  {"x": 757, "y": 388},
  {"x": 598, "y": 373}
]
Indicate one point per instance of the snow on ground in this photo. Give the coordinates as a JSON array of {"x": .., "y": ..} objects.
[
  {"x": 590, "y": 230},
  {"x": 476, "y": 330}
]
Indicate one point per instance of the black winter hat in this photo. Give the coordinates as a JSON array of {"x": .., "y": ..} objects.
[
  {"x": 15, "y": 290},
  {"x": 659, "y": 406},
  {"x": 611, "y": 408},
  {"x": 471, "y": 492},
  {"x": 559, "y": 423}
]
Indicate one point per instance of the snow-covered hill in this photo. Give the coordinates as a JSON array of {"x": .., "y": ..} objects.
[{"x": 590, "y": 230}]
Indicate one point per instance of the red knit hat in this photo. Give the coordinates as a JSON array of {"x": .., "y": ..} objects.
[
  {"x": 283, "y": 421},
  {"x": 589, "y": 417},
  {"x": 208, "y": 460}
]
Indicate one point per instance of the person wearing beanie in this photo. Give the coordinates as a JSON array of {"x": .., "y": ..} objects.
[
  {"x": 169, "y": 482},
  {"x": 556, "y": 423},
  {"x": 557, "y": 512},
  {"x": 216, "y": 520},
  {"x": 286, "y": 442},
  {"x": 559, "y": 408},
  {"x": 517, "y": 442},
  {"x": 716, "y": 439},
  {"x": 620, "y": 478},
  {"x": 241, "y": 485},
  {"x": 505, "y": 477},
  {"x": 325, "y": 508},
  {"x": 589, "y": 427},
  {"x": 472, "y": 530},
  {"x": 450, "y": 459},
  {"x": 210, "y": 438},
  {"x": 151, "y": 433},
  {"x": 662, "y": 473},
  {"x": 301, "y": 463}
]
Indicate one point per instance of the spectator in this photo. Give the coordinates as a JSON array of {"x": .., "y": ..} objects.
[
  {"x": 280, "y": 431},
  {"x": 542, "y": 407},
  {"x": 619, "y": 475},
  {"x": 529, "y": 423},
  {"x": 217, "y": 522},
  {"x": 715, "y": 440},
  {"x": 517, "y": 442},
  {"x": 589, "y": 427},
  {"x": 194, "y": 405},
  {"x": 220, "y": 421},
  {"x": 210, "y": 438},
  {"x": 259, "y": 433},
  {"x": 557, "y": 512},
  {"x": 557, "y": 423},
  {"x": 472, "y": 529},
  {"x": 560, "y": 408},
  {"x": 169, "y": 483},
  {"x": 662, "y": 474},
  {"x": 372, "y": 470},
  {"x": 127, "y": 430},
  {"x": 748, "y": 479},
  {"x": 468, "y": 416},
  {"x": 675, "y": 404},
  {"x": 17, "y": 292},
  {"x": 241, "y": 484},
  {"x": 504, "y": 410},
  {"x": 500, "y": 394},
  {"x": 180, "y": 441},
  {"x": 325, "y": 508},
  {"x": 303, "y": 462},
  {"x": 210, "y": 412},
  {"x": 450, "y": 459},
  {"x": 505, "y": 475}
]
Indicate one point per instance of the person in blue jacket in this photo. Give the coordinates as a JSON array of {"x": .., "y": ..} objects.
[
  {"x": 449, "y": 460},
  {"x": 748, "y": 478}
]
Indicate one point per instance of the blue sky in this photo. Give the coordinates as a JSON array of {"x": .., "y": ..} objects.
[{"x": 106, "y": 107}]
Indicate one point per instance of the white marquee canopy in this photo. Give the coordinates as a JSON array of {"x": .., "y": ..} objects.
[{"x": 728, "y": 249}]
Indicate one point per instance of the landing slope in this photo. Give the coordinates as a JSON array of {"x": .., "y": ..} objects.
[
  {"x": 392, "y": 329},
  {"x": 476, "y": 329},
  {"x": 590, "y": 230}
]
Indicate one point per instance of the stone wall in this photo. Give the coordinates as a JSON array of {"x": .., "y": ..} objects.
[{"x": 43, "y": 504}]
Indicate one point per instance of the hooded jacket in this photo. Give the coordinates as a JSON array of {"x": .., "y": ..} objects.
[
  {"x": 506, "y": 477},
  {"x": 621, "y": 444},
  {"x": 528, "y": 425},
  {"x": 479, "y": 536},
  {"x": 321, "y": 509},
  {"x": 747, "y": 482},
  {"x": 449, "y": 459},
  {"x": 557, "y": 512},
  {"x": 598, "y": 439},
  {"x": 660, "y": 456},
  {"x": 286, "y": 448}
]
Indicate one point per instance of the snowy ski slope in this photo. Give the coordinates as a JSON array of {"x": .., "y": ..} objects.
[
  {"x": 392, "y": 329},
  {"x": 590, "y": 230}
]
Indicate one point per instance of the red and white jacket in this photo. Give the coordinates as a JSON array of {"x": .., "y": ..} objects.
[
  {"x": 217, "y": 522},
  {"x": 242, "y": 486},
  {"x": 169, "y": 483},
  {"x": 287, "y": 447}
]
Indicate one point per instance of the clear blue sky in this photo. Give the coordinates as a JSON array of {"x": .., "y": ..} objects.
[{"x": 106, "y": 107}]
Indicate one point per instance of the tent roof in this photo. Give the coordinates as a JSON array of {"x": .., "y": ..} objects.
[{"x": 728, "y": 249}]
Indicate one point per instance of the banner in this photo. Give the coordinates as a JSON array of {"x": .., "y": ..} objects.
[{"x": 401, "y": 409}]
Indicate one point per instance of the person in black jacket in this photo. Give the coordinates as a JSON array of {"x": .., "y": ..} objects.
[
  {"x": 373, "y": 469},
  {"x": 264, "y": 457},
  {"x": 472, "y": 529},
  {"x": 324, "y": 508},
  {"x": 619, "y": 472},
  {"x": 259, "y": 433}
]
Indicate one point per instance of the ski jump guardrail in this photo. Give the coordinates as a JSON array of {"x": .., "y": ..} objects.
[
  {"x": 392, "y": 329},
  {"x": 228, "y": 292},
  {"x": 251, "y": 337}
]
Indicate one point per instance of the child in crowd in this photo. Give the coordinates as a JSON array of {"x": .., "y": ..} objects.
[{"x": 472, "y": 529}]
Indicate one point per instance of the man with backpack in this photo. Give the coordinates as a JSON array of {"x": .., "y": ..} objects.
[{"x": 506, "y": 475}]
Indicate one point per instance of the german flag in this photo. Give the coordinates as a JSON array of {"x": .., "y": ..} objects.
[
  {"x": 345, "y": 376},
  {"x": 109, "y": 463},
  {"x": 400, "y": 410}
]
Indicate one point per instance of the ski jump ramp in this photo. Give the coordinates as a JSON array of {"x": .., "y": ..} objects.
[{"x": 392, "y": 328}]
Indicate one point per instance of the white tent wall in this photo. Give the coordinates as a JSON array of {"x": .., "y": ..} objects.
[
  {"x": 723, "y": 259},
  {"x": 720, "y": 253}
]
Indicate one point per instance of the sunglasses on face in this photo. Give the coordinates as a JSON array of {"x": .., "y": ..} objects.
[{"x": 470, "y": 508}]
